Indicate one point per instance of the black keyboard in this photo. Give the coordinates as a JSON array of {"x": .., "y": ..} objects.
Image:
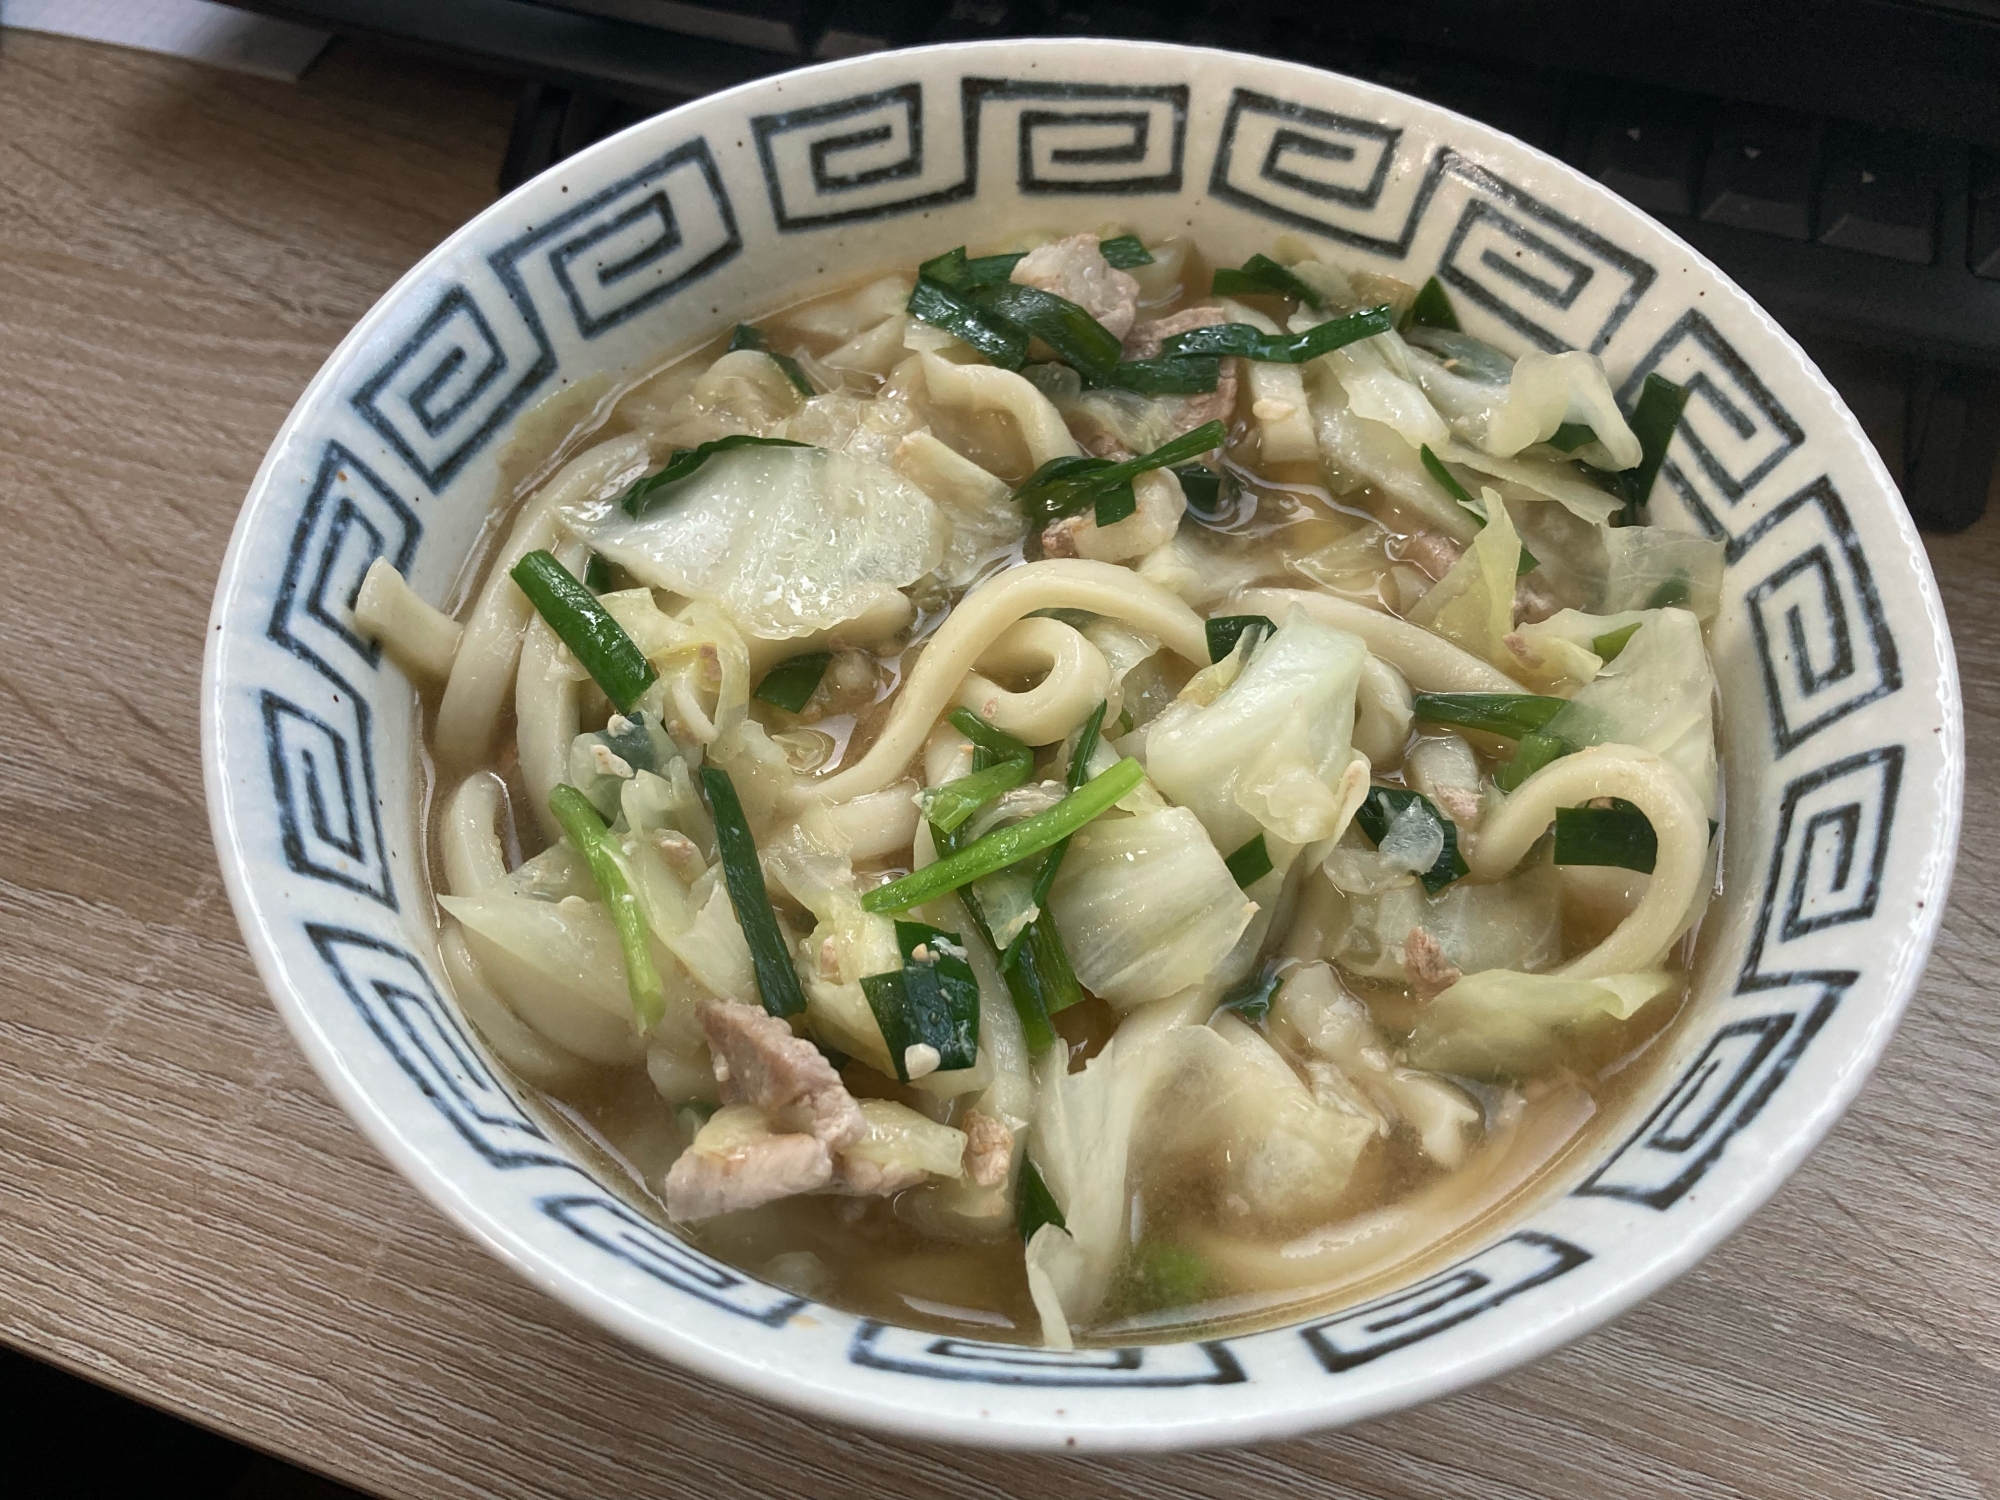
[{"x": 1840, "y": 160}]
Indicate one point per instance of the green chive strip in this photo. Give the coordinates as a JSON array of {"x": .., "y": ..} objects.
[
  {"x": 1384, "y": 804},
  {"x": 942, "y": 307},
  {"x": 951, "y": 804},
  {"x": 1620, "y": 835},
  {"x": 1508, "y": 714},
  {"x": 1608, "y": 645},
  {"x": 1202, "y": 487},
  {"x": 1436, "y": 469},
  {"x": 990, "y": 745},
  {"x": 1188, "y": 375},
  {"x": 1431, "y": 309},
  {"x": 1006, "y": 846},
  {"x": 644, "y": 495},
  {"x": 1653, "y": 422},
  {"x": 593, "y": 637},
  {"x": 1280, "y": 348},
  {"x": 933, "y": 1000},
  {"x": 1125, "y": 251},
  {"x": 1114, "y": 505},
  {"x": 1031, "y": 983},
  {"x": 1064, "y": 486},
  {"x": 1571, "y": 436},
  {"x": 1034, "y": 1204},
  {"x": 777, "y": 980},
  {"x": 1536, "y": 750},
  {"x": 746, "y": 337},
  {"x": 587, "y": 834},
  {"x": 597, "y": 574},
  {"x": 1078, "y": 775},
  {"x": 955, "y": 270},
  {"x": 1252, "y": 998},
  {"x": 1078, "y": 339},
  {"x": 1249, "y": 864},
  {"x": 1262, "y": 276},
  {"x": 1224, "y": 631},
  {"x": 792, "y": 682},
  {"x": 1036, "y": 959}
]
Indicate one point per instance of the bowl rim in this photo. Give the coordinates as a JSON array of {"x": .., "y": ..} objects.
[{"x": 1334, "y": 1405}]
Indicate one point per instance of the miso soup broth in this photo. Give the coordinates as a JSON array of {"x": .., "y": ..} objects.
[{"x": 1071, "y": 793}]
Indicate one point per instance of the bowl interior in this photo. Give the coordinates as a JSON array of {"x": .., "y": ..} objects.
[{"x": 1842, "y": 740}]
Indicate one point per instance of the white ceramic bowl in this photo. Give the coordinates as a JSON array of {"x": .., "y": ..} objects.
[{"x": 1844, "y": 754}]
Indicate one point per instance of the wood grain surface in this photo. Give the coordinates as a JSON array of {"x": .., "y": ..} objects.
[{"x": 185, "y": 1215}]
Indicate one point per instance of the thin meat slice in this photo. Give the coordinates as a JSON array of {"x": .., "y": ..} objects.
[
  {"x": 1431, "y": 973},
  {"x": 989, "y": 1149},
  {"x": 1076, "y": 269},
  {"x": 737, "y": 1161},
  {"x": 759, "y": 1061}
]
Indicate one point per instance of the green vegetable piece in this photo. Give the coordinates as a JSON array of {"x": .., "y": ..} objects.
[
  {"x": 1619, "y": 835},
  {"x": 597, "y": 574},
  {"x": 1034, "y": 1204},
  {"x": 1431, "y": 309},
  {"x": 792, "y": 682},
  {"x": 990, "y": 746},
  {"x": 1187, "y": 375},
  {"x": 1037, "y": 960},
  {"x": 646, "y": 495},
  {"x": 1535, "y": 751},
  {"x": 1452, "y": 487},
  {"x": 951, "y": 804},
  {"x": 1007, "y": 846},
  {"x": 631, "y": 742},
  {"x": 933, "y": 1000},
  {"x": 1224, "y": 631},
  {"x": 1384, "y": 804},
  {"x": 1165, "y": 1276},
  {"x": 1075, "y": 777},
  {"x": 993, "y": 336},
  {"x": 587, "y": 834},
  {"x": 1509, "y": 714},
  {"x": 1673, "y": 594},
  {"x": 746, "y": 337},
  {"x": 952, "y": 269},
  {"x": 1276, "y": 348},
  {"x": 1653, "y": 422},
  {"x": 1260, "y": 275},
  {"x": 1064, "y": 486},
  {"x": 1203, "y": 488},
  {"x": 1252, "y": 998},
  {"x": 1571, "y": 436},
  {"x": 1114, "y": 505},
  {"x": 1030, "y": 987},
  {"x": 770, "y": 959},
  {"x": 1249, "y": 864},
  {"x": 1608, "y": 645},
  {"x": 593, "y": 637},
  {"x": 1125, "y": 251},
  {"x": 1078, "y": 338}
]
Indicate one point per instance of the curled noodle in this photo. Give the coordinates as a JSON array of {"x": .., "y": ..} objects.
[
  {"x": 1075, "y": 678},
  {"x": 1431, "y": 663}
]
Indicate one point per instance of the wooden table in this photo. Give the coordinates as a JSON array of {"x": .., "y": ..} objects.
[{"x": 186, "y": 1216}]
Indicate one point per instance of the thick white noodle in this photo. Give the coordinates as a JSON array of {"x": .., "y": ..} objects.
[
  {"x": 879, "y": 824},
  {"x": 1430, "y": 662},
  {"x": 420, "y": 639},
  {"x": 482, "y": 672},
  {"x": 1075, "y": 679},
  {"x": 469, "y": 836},
  {"x": 1383, "y": 713},
  {"x": 980, "y": 619},
  {"x": 1670, "y": 804},
  {"x": 987, "y": 388}
]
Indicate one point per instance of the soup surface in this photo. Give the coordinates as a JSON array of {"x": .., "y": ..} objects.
[{"x": 1073, "y": 793}]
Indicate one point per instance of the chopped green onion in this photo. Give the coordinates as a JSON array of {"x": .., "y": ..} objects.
[
  {"x": 645, "y": 494},
  {"x": 586, "y": 832},
  {"x": 1007, "y": 846},
  {"x": 1431, "y": 309},
  {"x": 1608, "y": 645},
  {"x": 1249, "y": 864},
  {"x": 1434, "y": 465},
  {"x": 1535, "y": 751},
  {"x": 1077, "y": 775},
  {"x": 597, "y": 641},
  {"x": 632, "y": 744},
  {"x": 1078, "y": 338},
  {"x": 1262, "y": 275},
  {"x": 1224, "y": 631},
  {"x": 1115, "y": 504},
  {"x": 1064, "y": 486},
  {"x": 1165, "y": 1276},
  {"x": 1280, "y": 348},
  {"x": 792, "y": 682},
  {"x": 954, "y": 270},
  {"x": 597, "y": 574},
  {"x": 777, "y": 980},
  {"x": 1125, "y": 251},
  {"x": 1034, "y": 1204},
  {"x": 991, "y": 746},
  {"x": 1203, "y": 488},
  {"x": 932, "y": 1001},
  {"x": 1037, "y": 961},
  {"x": 1654, "y": 419},
  {"x": 1620, "y": 835},
  {"x": 1673, "y": 594},
  {"x": 1571, "y": 436},
  {"x": 746, "y": 337},
  {"x": 949, "y": 805},
  {"x": 1187, "y": 375},
  {"x": 1252, "y": 998},
  {"x": 1509, "y": 714},
  {"x": 940, "y": 306},
  {"x": 1384, "y": 804}
]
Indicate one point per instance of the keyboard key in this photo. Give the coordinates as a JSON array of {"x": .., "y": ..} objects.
[
  {"x": 1647, "y": 149},
  {"x": 855, "y": 27},
  {"x": 1760, "y": 172},
  {"x": 1982, "y": 251},
  {"x": 1878, "y": 196}
]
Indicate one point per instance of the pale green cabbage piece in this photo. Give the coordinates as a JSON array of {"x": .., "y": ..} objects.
[
  {"x": 1500, "y": 1022},
  {"x": 1473, "y": 604},
  {"x": 1540, "y": 393},
  {"x": 1647, "y": 567},
  {"x": 1514, "y": 923}
]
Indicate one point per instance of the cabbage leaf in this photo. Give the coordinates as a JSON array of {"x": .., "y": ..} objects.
[{"x": 1503, "y": 1023}]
